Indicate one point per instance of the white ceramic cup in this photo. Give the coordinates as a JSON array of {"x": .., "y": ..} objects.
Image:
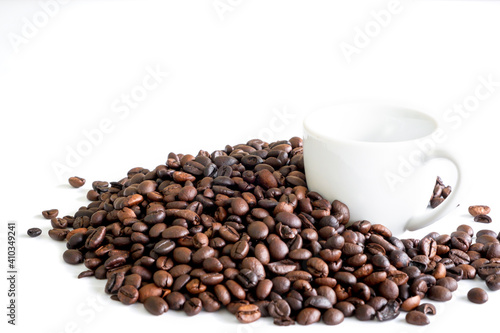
[{"x": 379, "y": 160}]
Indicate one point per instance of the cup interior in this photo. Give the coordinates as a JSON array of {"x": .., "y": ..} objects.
[{"x": 365, "y": 122}]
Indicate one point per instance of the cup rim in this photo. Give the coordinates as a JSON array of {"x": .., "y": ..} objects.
[{"x": 307, "y": 126}]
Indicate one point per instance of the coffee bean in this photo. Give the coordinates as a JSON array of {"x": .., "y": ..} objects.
[
  {"x": 389, "y": 311},
  {"x": 149, "y": 290},
  {"x": 493, "y": 282},
  {"x": 34, "y": 232},
  {"x": 248, "y": 313},
  {"x": 128, "y": 294},
  {"x": 50, "y": 214},
  {"x": 156, "y": 305},
  {"x": 73, "y": 257},
  {"x": 308, "y": 316},
  {"x": 482, "y": 218},
  {"x": 209, "y": 301},
  {"x": 479, "y": 210},
  {"x": 240, "y": 250},
  {"x": 333, "y": 316},
  {"x": 388, "y": 289},
  {"x": 175, "y": 300},
  {"x": 477, "y": 295},
  {"x": 346, "y": 308},
  {"x": 439, "y": 293},
  {"x": 193, "y": 306},
  {"x": 279, "y": 309},
  {"x": 364, "y": 312},
  {"x": 76, "y": 181},
  {"x": 278, "y": 249},
  {"x": 427, "y": 308},
  {"x": 448, "y": 282},
  {"x": 417, "y": 318}
]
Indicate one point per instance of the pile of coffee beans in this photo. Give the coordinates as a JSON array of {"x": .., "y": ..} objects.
[
  {"x": 440, "y": 193},
  {"x": 239, "y": 229}
]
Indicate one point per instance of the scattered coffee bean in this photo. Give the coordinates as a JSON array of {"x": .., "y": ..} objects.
[
  {"x": 479, "y": 210},
  {"x": 477, "y": 295},
  {"x": 34, "y": 232},
  {"x": 76, "y": 181},
  {"x": 482, "y": 218},
  {"x": 50, "y": 214}
]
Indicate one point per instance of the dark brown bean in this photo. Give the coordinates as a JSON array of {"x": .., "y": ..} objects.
[
  {"x": 417, "y": 318},
  {"x": 76, "y": 181},
  {"x": 477, "y": 295}
]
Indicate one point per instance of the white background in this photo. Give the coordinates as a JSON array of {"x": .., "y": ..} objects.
[{"x": 229, "y": 75}]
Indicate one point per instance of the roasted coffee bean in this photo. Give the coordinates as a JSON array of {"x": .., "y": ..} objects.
[
  {"x": 247, "y": 278},
  {"x": 76, "y": 181},
  {"x": 308, "y": 316},
  {"x": 58, "y": 223},
  {"x": 34, "y": 232},
  {"x": 318, "y": 302},
  {"x": 175, "y": 300},
  {"x": 388, "y": 289},
  {"x": 278, "y": 249},
  {"x": 479, "y": 210},
  {"x": 346, "y": 308},
  {"x": 192, "y": 306},
  {"x": 248, "y": 313},
  {"x": 493, "y": 282},
  {"x": 417, "y": 318},
  {"x": 427, "y": 308},
  {"x": 333, "y": 316},
  {"x": 114, "y": 283},
  {"x": 50, "y": 213},
  {"x": 477, "y": 295},
  {"x": 73, "y": 256},
  {"x": 388, "y": 312},
  {"x": 488, "y": 269},
  {"x": 128, "y": 294},
  {"x": 156, "y": 305},
  {"x": 410, "y": 303},
  {"x": 149, "y": 290},
  {"x": 377, "y": 302},
  {"x": 482, "y": 218},
  {"x": 279, "y": 309},
  {"x": 318, "y": 268},
  {"x": 448, "y": 282},
  {"x": 209, "y": 302},
  {"x": 439, "y": 293},
  {"x": 364, "y": 312},
  {"x": 240, "y": 249}
]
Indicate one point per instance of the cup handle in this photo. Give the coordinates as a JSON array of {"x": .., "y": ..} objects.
[{"x": 426, "y": 218}]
